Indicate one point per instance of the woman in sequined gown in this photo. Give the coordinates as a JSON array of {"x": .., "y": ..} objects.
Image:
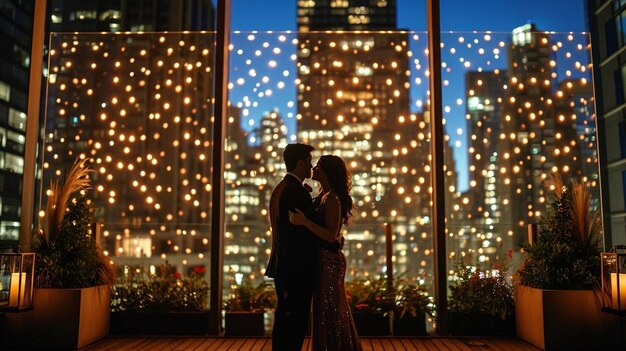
[{"x": 333, "y": 326}]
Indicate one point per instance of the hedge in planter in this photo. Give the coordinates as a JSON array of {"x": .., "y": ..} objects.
[
  {"x": 482, "y": 302},
  {"x": 161, "y": 304},
  {"x": 378, "y": 310},
  {"x": 556, "y": 303},
  {"x": 72, "y": 276},
  {"x": 246, "y": 306}
]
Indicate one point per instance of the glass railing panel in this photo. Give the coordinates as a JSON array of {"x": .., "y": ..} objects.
[
  {"x": 139, "y": 107},
  {"x": 517, "y": 108},
  {"x": 360, "y": 96}
]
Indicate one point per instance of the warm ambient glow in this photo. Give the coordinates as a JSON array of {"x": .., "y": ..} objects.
[
  {"x": 147, "y": 130},
  {"x": 621, "y": 296},
  {"x": 17, "y": 290}
]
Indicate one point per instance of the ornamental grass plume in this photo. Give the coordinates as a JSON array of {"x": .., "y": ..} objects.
[
  {"x": 565, "y": 255},
  {"x": 67, "y": 254},
  {"x": 77, "y": 180}
]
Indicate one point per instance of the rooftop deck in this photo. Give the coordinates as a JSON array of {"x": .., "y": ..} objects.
[{"x": 259, "y": 344}]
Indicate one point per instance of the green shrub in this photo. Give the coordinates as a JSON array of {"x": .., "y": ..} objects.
[
  {"x": 246, "y": 297},
  {"x": 369, "y": 295},
  {"x": 67, "y": 255},
  {"x": 481, "y": 292},
  {"x": 566, "y": 254},
  {"x": 165, "y": 291}
]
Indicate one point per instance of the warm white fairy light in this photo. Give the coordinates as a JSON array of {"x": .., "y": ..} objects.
[{"x": 160, "y": 93}]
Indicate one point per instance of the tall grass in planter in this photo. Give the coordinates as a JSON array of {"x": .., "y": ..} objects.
[
  {"x": 72, "y": 276},
  {"x": 557, "y": 306}
]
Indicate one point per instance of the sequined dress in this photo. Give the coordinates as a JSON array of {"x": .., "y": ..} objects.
[{"x": 333, "y": 326}]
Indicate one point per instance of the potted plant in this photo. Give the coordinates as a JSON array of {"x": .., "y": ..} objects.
[
  {"x": 372, "y": 305},
  {"x": 481, "y": 302},
  {"x": 246, "y": 306},
  {"x": 381, "y": 309},
  {"x": 72, "y": 276},
  {"x": 163, "y": 303},
  {"x": 556, "y": 304},
  {"x": 411, "y": 307}
]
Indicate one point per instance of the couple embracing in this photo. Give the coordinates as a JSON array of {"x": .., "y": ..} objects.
[{"x": 307, "y": 263}]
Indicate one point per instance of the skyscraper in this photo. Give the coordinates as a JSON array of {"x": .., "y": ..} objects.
[
  {"x": 607, "y": 38},
  {"x": 140, "y": 107},
  {"x": 349, "y": 15},
  {"x": 524, "y": 125},
  {"x": 353, "y": 101},
  {"x": 130, "y": 15},
  {"x": 484, "y": 96},
  {"x": 527, "y": 136},
  {"x": 16, "y": 35}
]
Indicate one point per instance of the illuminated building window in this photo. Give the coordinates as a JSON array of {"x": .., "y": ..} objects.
[
  {"x": 339, "y": 3},
  {"x": 14, "y": 163},
  {"x": 5, "y": 91},
  {"x": 15, "y": 142},
  {"x": 84, "y": 15},
  {"x": 110, "y": 15},
  {"x": 17, "y": 119},
  {"x": 9, "y": 230},
  {"x": 137, "y": 247}
]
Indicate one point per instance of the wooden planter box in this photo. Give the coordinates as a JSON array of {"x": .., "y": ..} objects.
[
  {"x": 61, "y": 319},
  {"x": 562, "y": 319},
  {"x": 409, "y": 325},
  {"x": 244, "y": 324},
  {"x": 371, "y": 323},
  {"x": 479, "y": 324},
  {"x": 160, "y": 323}
]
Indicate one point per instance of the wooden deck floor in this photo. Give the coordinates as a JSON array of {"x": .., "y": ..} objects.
[{"x": 265, "y": 344}]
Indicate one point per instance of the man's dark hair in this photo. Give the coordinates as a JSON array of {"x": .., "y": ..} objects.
[{"x": 294, "y": 153}]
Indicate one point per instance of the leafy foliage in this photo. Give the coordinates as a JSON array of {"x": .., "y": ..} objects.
[
  {"x": 370, "y": 295},
  {"x": 367, "y": 295},
  {"x": 246, "y": 297},
  {"x": 483, "y": 290},
  {"x": 67, "y": 254},
  {"x": 482, "y": 293},
  {"x": 566, "y": 255},
  {"x": 165, "y": 291},
  {"x": 413, "y": 298}
]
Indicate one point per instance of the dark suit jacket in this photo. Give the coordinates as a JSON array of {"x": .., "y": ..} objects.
[{"x": 295, "y": 250}]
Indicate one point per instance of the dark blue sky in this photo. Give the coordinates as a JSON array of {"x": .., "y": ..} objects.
[
  {"x": 456, "y": 15},
  {"x": 262, "y": 79}
]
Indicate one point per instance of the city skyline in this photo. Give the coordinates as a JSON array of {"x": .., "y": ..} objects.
[
  {"x": 497, "y": 19},
  {"x": 349, "y": 92}
]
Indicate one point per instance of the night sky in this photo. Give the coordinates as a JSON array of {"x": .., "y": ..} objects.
[{"x": 263, "y": 69}]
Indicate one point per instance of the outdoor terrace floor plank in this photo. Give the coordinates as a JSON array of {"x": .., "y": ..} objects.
[{"x": 265, "y": 344}]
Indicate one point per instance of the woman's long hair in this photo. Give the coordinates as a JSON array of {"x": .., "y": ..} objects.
[{"x": 340, "y": 180}]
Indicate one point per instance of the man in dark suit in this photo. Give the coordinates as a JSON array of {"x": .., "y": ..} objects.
[{"x": 294, "y": 260}]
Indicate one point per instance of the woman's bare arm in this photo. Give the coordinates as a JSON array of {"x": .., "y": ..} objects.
[{"x": 332, "y": 219}]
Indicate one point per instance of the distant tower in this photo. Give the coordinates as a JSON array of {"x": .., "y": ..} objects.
[
  {"x": 348, "y": 15},
  {"x": 15, "y": 33},
  {"x": 130, "y": 15},
  {"x": 353, "y": 101},
  {"x": 484, "y": 95},
  {"x": 139, "y": 106},
  {"x": 534, "y": 131}
]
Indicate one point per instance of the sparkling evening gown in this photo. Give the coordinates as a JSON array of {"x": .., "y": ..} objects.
[{"x": 333, "y": 326}]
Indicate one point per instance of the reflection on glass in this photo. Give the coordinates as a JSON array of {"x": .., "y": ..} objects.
[
  {"x": 517, "y": 107},
  {"x": 140, "y": 107}
]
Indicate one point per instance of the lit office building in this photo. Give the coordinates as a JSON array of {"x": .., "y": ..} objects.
[
  {"x": 353, "y": 101},
  {"x": 15, "y": 38},
  {"x": 607, "y": 38},
  {"x": 252, "y": 172},
  {"x": 484, "y": 96},
  {"x": 143, "y": 118},
  {"x": 522, "y": 129}
]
